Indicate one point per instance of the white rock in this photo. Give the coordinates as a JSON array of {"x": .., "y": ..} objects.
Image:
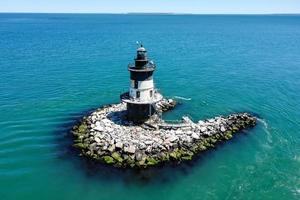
[
  {"x": 223, "y": 129},
  {"x": 119, "y": 145},
  {"x": 170, "y": 100},
  {"x": 173, "y": 138},
  {"x": 149, "y": 149},
  {"x": 142, "y": 146},
  {"x": 97, "y": 140},
  {"x": 203, "y": 129},
  {"x": 189, "y": 133},
  {"x": 99, "y": 128},
  {"x": 106, "y": 121},
  {"x": 109, "y": 129},
  {"x": 211, "y": 120},
  {"x": 130, "y": 149},
  {"x": 148, "y": 142},
  {"x": 201, "y": 122},
  {"x": 111, "y": 148},
  {"x": 94, "y": 118},
  {"x": 195, "y": 136}
]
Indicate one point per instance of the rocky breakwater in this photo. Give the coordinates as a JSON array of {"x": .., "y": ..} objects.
[{"x": 107, "y": 136}]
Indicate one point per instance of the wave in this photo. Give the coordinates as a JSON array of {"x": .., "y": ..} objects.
[
  {"x": 183, "y": 98},
  {"x": 265, "y": 124},
  {"x": 266, "y": 128}
]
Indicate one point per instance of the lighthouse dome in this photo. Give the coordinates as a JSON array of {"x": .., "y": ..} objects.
[{"x": 141, "y": 49}]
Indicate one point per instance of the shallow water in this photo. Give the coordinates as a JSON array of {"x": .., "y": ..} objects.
[{"x": 56, "y": 67}]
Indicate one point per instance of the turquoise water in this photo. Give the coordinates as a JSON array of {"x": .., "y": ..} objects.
[{"x": 56, "y": 67}]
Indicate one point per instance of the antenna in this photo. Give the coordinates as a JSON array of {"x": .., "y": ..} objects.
[{"x": 139, "y": 44}]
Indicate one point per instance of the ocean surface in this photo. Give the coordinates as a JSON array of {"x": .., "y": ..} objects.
[{"x": 54, "y": 68}]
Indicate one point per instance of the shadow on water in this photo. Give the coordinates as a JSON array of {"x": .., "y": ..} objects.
[{"x": 163, "y": 174}]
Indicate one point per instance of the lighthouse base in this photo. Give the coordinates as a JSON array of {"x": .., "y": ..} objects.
[{"x": 139, "y": 113}]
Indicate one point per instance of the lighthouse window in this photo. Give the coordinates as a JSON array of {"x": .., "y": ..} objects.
[
  {"x": 137, "y": 94},
  {"x": 136, "y": 83},
  {"x": 151, "y": 93}
]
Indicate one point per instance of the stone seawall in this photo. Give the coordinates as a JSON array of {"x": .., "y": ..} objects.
[{"x": 107, "y": 136}]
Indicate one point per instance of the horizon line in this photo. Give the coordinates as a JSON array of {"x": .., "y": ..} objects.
[{"x": 148, "y": 13}]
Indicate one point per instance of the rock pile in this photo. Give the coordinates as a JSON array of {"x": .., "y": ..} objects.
[
  {"x": 106, "y": 135},
  {"x": 165, "y": 105}
]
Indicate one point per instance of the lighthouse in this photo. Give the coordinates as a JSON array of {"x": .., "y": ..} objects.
[{"x": 142, "y": 95}]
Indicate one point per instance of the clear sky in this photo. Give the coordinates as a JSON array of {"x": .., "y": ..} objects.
[{"x": 173, "y": 6}]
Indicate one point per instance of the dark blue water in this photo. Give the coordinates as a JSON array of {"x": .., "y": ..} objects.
[{"x": 56, "y": 67}]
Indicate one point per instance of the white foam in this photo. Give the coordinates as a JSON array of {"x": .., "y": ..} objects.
[
  {"x": 263, "y": 122},
  {"x": 266, "y": 129},
  {"x": 183, "y": 98}
]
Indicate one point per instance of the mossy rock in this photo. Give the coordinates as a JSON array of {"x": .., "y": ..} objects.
[
  {"x": 141, "y": 163},
  {"x": 182, "y": 154},
  {"x": 187, "y": 157},
  {"x": 152, "y": 161},
  {"x": 202, "y": 147},
  {"x": 108, "y": 160},
  {"x": 217, "y": 136},
  {"x": 164, "y": 156},
  {"x": 186, "y": 154},
  {"x": 80, "y": 146},
  {"x": 173, "y": 155},
  {"x": 228, "y": 135},
  {"x": 130, "y": 161},
  {"x": 75, "y": 127},
  {"x": 132, "y": 165},
  {"x": 82, "y": 128},
  {"x": 206, "y": 142},
  {"x": 195, "y": 148},
  {"x": 117, "y": 157},
  {"x": 176, "y": 154},
  {"x": 76, "y": 141},
  {"x": 235, "y": 128},
  {"x": 95, "y": 156},
  {"x": 118, "y": 164},
  {"x": 213, "y": 140}
]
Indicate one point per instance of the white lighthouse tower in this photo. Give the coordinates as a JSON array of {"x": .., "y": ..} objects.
[{"x": 142, "y": 94}]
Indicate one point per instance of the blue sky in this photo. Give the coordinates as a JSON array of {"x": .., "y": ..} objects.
[{"x": 174, "y": 6}]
